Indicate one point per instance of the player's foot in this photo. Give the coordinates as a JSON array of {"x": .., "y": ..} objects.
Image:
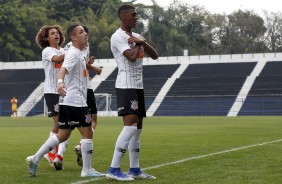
[
  {"x": 31, "y": 165},
  {"x": 58, "y": 163},
  {"x": 77, "y": 151},
  {"x": 116, "y": 174},
  {"x": 136, "y": 173},
  {"x": 46, "y": 156},
  {"x": 91, "y": 173}
]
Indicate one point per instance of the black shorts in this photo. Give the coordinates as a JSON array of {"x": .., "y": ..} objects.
[
  {"x": 91, "y": 101},
  {"x": 52, "y": 102},
  {"x": 71, "y": 117},
  {"x": 130, "y": 101}
]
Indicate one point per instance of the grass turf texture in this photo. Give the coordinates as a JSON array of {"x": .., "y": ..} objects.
[{"x": 164, "y": 140}]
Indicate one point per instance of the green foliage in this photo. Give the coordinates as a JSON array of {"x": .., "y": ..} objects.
[
  {"x": 180, "y": 26},
  {"x": 245, "y": 29},
  {"x": 18, "y": 25}
]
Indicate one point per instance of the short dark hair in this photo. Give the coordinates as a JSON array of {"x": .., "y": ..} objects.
[
  {"x": 86, "y": 29},
  {"x": 124, "y": 8},
  {"x": 71, "y": 28}
]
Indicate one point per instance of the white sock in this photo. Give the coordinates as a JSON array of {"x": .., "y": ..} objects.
[
  {"x": 53, "y": 151},
  {"x": 51, "y": 143},
  {"x": 62, "y": 147},
  {"x": 81, "y": 139},
  {"x": 122, "y": 144},
  {"x": 86, "y": 152},
  {"x": 134, "y": 149}
]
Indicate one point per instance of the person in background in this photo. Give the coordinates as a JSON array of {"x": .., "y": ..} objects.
[
  {"x": 50, "y": 38},
  {"x": 128, "y": 49},
  {"x": 74, "y": 113},
  {"x": 14, "y": 103}
]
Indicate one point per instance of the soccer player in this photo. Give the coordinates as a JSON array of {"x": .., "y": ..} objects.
[
  {"x": 14, "y": 103},
  {"x": 74, "y": 113},
  {"x": 50, "y": 38},
  {"x": 91, "y": 101},
  {"x": 128, "y": 49}
]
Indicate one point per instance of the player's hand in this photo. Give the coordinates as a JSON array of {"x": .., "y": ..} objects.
[
  {"x": 61, "y": 89},
  {"x": 134, "y": 39},
  {"x": 91, "y": 60},
  {"x": 142, "y": 37}
]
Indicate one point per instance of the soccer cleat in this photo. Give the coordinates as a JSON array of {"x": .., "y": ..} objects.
[
  {"x": 32, "y": 165},
  {"x": 48, "y": 158},
  {"x": 91, "y": 173},
  {"x": 58, "y": 163},
  {"x": 116, "y": 174},
  {"x": 77, "y": 151},
  {"x": 136, "y": 173}
]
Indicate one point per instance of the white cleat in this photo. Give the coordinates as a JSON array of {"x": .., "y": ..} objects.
[
  {"x": 31, "y": 165},
  {"x": 136, "y": 173}
]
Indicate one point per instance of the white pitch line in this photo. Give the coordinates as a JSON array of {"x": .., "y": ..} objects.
[{"x": 192, "y": 158}]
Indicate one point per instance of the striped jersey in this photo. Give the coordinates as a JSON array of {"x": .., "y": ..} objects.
[
  {"x": 75, "y": 79},
  {"x": 51, "y": 69},
  {"x": 129, "y": 73},
  {"x": 86, "y": 54}
]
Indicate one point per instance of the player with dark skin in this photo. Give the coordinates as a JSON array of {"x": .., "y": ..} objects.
[{"x": 128, "y": 49}]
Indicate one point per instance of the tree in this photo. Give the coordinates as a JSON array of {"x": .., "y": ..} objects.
[
  {"x": 18, "y": 24},
  {"x": 171, "y": 30},
  {"x": 273, "y": 37},
  {"x": 244, "y": 33}
]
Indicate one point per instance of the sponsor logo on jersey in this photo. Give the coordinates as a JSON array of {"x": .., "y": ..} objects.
[
  {"x": 61, "y": 123},
  {"x": 120, "y": 108},
  {"x": 71, "y": 123},
  {"x": 84, "y": 73},
  {"x": 58, "y": 65}
]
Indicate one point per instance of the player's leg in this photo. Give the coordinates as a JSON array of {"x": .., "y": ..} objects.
[
  {"x": 134, "y": 143},
  {"x": 86, "y": 143},
  {"x": 128, "y": 100},
  {"x": 51, "y": 142},
  {"x": 58, "y": 161},
  {"x": 66, "y": 115},
  {"x": 91, "y": 103},
  {"x": 53, "y": 109}
]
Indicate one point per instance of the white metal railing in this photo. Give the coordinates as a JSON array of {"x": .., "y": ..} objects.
[{"x": 31, "y": 101}]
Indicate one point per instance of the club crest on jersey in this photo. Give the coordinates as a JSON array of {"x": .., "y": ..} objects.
[
  {"x": 134, "y": 105},
  {"x": 56, "y": 108},
  {"x": 88, "y": 118}
]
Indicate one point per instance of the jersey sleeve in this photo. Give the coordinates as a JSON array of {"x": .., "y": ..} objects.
[
  {"x": 47, "y": 54},
  {"x": 70, "y": 60},
  {"x": 120, "y": 42}
]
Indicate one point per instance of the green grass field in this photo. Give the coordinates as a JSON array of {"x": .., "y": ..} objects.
[{"x": 213, "y": 150}]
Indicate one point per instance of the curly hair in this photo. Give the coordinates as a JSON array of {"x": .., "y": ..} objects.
[{"x": 42, "y": 35}]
